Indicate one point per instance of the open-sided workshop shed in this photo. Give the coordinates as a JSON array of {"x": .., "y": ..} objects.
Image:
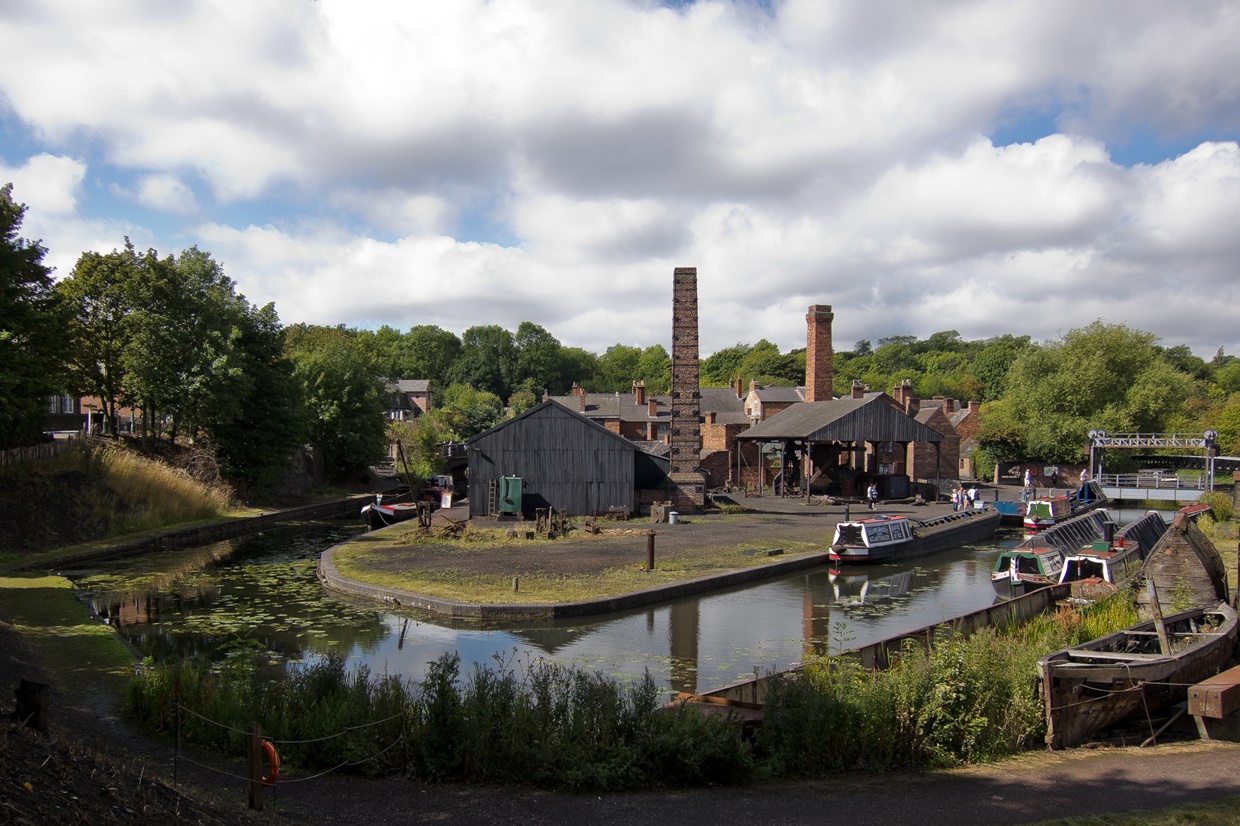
[
  {"x": 565, "y": 461},
  {"x": 831, "y": 437}
]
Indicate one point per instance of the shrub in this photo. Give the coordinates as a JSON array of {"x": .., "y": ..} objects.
[{"x": 1220, "y": 505}]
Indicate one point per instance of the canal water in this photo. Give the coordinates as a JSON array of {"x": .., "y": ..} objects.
[{"x": 261, "y": 592}]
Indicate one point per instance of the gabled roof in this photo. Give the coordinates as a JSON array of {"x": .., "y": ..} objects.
[
  {"x": 776, "y": 394},
  {"x": 556, "y": 408},
  {"x": 411, "y": 385},
  {"x": 728, "y": 407},
  {"x": 620, "y": 406},
  {"x": 842, "y": 420}
]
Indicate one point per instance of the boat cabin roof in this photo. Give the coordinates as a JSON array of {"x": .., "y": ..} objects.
[{"x": 878, "y": 520}]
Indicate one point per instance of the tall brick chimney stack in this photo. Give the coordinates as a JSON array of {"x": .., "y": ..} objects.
[
  {"x": 818, "y": 371},
  {"x": 686, "y": 425}
]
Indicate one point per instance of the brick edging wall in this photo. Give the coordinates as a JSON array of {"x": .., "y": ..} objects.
[
  {"x": 202, "y": 534},
  {"x": 334, "y": 580}
]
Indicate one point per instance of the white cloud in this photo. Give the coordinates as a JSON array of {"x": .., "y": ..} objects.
[
  {"x": 46, "y": 184},
  {"x": 166, "y": 192},
  {"x": 487, "y": 162}
]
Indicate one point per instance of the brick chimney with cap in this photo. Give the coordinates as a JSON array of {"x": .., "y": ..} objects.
[
  {"x": 818, "y": 355},
  {"x": 639, "y": 393},
  {"x": 858, "y": 389}
]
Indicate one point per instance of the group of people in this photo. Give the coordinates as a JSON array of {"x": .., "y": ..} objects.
[{"x": 963, "y": 499}]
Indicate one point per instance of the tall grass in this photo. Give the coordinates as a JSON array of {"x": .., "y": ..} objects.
[
  {"x": 548, "y": 724},
  {"x": 965, "y": 700},
  {"x": 150, "y": 494}
]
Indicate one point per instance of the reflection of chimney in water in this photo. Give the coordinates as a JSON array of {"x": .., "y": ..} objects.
[
  {"x": 683, "y": 645},
  {"x": 816, "y": 616}
]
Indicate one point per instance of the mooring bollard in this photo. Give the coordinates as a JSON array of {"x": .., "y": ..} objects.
[
  {"x": 516, "y": 584},
  {"x": 650, "y": 550},
  {"x": 254, "y": 749}
]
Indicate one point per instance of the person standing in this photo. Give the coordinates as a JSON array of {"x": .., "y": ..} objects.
[
  {"x": 872, "y": 495},
  {"x": 955, "y": 500},
  {"x": 972, "y": 496},
  {"x": 1028, "y": 478}
]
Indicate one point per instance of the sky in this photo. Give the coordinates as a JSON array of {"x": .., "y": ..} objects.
[{"x": 985, "y": 167}]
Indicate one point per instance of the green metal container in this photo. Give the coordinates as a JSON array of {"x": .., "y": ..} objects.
[{"x": 510, "y": 494}]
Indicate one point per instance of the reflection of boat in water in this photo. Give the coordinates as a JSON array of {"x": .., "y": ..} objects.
[
  {"x": 857, "y": 589},
  {"x": 1048, "y": 511},
  {"x": 892, "y": 538},
  {"x": 1097, "y": 684}
]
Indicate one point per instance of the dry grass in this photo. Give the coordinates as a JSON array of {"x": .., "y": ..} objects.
[{"x": 153, "y": 494}]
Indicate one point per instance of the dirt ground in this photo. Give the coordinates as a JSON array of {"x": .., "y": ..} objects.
[{"x": 624, "y": 543}]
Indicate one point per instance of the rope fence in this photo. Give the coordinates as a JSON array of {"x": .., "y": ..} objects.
[{"x": 252, "y": 778}]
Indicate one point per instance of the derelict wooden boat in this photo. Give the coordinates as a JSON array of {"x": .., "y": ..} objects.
[
  {"x": 889, "y": 538},
  {"x": 1094, "y": 685}
]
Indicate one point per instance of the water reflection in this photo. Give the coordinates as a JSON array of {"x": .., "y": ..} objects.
[{"x": 262, "y": 590}]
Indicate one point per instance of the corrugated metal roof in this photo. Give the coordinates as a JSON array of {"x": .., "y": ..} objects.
[{"x": 842, "y": 420}]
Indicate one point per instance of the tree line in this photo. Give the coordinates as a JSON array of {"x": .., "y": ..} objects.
[{"x": 171, "y": 336}]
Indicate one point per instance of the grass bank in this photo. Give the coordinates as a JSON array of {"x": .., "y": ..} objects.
[
  {"x": 480, "y": 566},
  {"x": 80, "y": 655},
  {"x": 96, "y": 492}
]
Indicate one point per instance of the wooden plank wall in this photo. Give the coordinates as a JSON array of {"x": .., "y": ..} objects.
[{"x": 565, "y": 463}]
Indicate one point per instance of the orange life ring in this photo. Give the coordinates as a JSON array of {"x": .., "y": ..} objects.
[{"x": 273, "y": 760}]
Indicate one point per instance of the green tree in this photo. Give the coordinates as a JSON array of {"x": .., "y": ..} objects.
[
  {"x": 425, "y": 352},
  {"x": 467, "y": 411},
  {"x": 618, "y": 368},
  {"x": 579, "y": 366},
  {"x": 97, "y": 294},
  {"x": 344, "y": 396},
  {"x": 256, "y": 439},
  {"x": 32, "y": 320},
  {"x": 721, "y": 368},
  {"x": 654, "y": 369},
  {"x": 767, "y": 365},
  {"x": 1106, "y": 377},
  {"x": 539, "y": 365},
  {"x": 488, "y": 360}
]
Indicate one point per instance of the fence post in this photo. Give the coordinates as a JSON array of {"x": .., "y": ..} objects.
[{"x": 254, "y": 743}]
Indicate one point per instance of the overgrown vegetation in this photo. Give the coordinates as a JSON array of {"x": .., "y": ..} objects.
[
  {"x": 96, "y": 491},
  {"x": 965, "y": 700}
]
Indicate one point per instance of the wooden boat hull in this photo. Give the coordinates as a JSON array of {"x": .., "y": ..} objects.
[
  {"x": 929, "y": 537},
  {"x": 1092, "y": 686}
]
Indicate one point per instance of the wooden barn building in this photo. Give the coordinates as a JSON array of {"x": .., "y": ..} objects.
[{"x": 564, "y": 460}]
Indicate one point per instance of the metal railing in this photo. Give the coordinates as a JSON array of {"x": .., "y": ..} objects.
[{"x": 1154, "y": 479}]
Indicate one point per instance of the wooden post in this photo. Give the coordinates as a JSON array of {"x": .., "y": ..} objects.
[
  {"x": 254, "y": 743},
  {"x": 650, "y": 550},
  {"x": 1159, "y": 625}
]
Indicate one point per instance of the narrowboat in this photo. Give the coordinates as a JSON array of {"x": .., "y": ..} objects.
[
  {"x": 890, "y": 538},
  {"x": 1047, "y": 511},
  {"x": 1105, "y": 565},
  {"x": 1025, "y": 568}
]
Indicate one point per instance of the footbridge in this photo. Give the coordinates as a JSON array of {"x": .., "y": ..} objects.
[{"x": 1176, "y": 481}]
